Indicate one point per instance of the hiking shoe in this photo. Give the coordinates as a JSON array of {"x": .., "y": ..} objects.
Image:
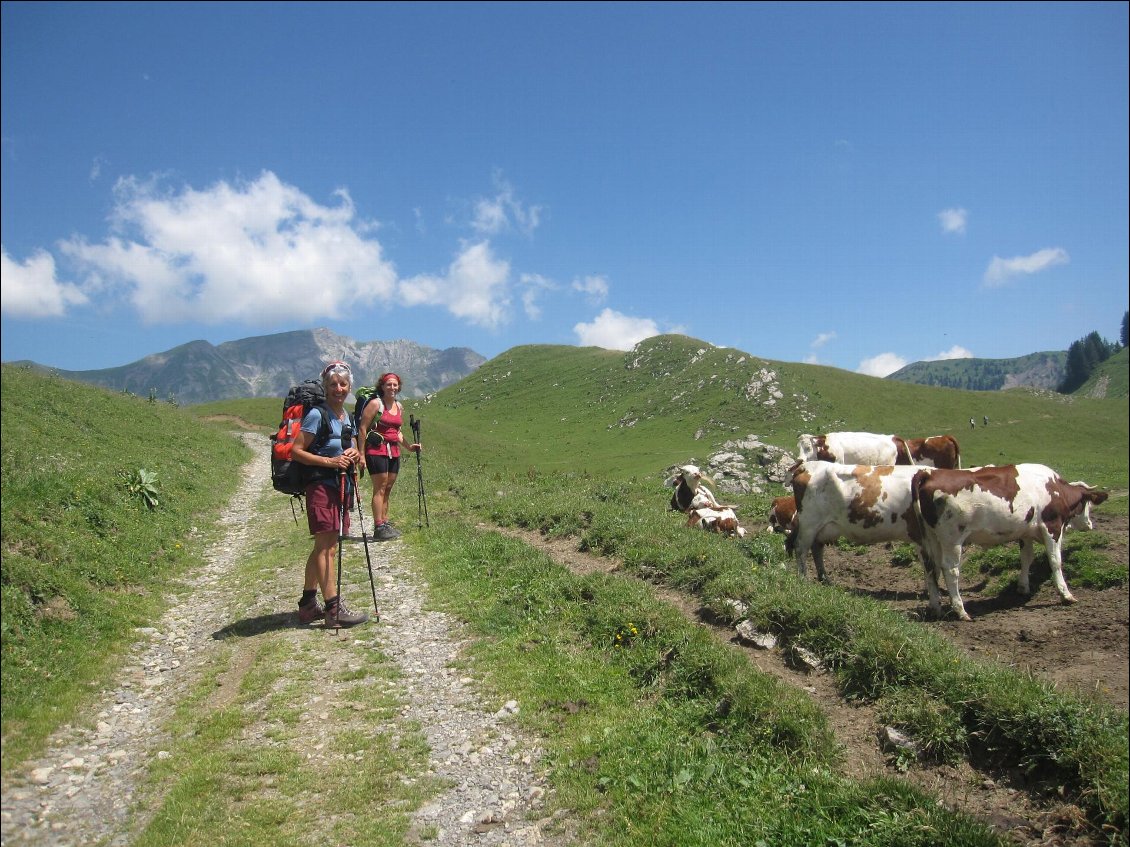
[
  {"x": 386, "y": 532},
  {"x": 342, "y": 615},
  {"x": 310, "y": 612}
]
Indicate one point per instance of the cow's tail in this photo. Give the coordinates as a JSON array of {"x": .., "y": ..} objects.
[{"x": 956, "y": 452}]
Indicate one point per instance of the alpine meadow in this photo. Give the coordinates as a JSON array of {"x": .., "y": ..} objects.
[{"x": 547, "y": 534}]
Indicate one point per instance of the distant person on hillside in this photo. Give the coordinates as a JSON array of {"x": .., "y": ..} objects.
[
  {"x": 379, "y": 430},
  {"x": 986, "y": 420},
  {"x": 972, "y": 424},
  {"x": 331, "y": 472}
]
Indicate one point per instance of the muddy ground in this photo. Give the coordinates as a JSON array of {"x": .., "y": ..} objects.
[{"x": 1079, "y": 647}]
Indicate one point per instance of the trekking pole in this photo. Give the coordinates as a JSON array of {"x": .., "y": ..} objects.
[
  {"x": 340, "y": 529},
  {"x": 421, "y": 498},
  {"x": 365, "y": 541}
]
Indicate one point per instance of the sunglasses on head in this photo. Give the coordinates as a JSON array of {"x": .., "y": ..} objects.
[{"x": 336, "y": 367}]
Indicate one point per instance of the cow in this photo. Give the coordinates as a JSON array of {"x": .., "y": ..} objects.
[
  {"x": 868, "y": 448},
  {"x": 700, "y": 505},
  {"x": 996, "y": 505},
  {"x": 782, "y": 519},
  {"x": 937, "y": 451},
  {"x": 866, "y": 504},
  {"x": 850, "y": 448}
]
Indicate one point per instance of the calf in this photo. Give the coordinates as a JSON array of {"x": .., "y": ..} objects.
[
  {"x": 866, "y": 504},
  {"x": 995, "y": 505}
]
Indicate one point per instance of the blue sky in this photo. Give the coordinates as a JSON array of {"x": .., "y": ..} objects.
[{"x": 855, "y": 185}]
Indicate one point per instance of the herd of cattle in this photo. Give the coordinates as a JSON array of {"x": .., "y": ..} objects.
[{"x": 873, "y": 489}]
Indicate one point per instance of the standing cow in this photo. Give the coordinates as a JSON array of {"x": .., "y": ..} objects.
[
  {"x": 869, "y": 448},
  {"x": 866, "y": 504},
  {"x": 995, "y": 505}
]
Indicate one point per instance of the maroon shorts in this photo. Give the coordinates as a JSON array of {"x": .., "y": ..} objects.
[{"x": 323, "y": 505}]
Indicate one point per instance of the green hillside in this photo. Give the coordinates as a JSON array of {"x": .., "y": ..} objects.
[
  {"x": 673, "y": 398},
  {"x": 1036, "y": 370}
]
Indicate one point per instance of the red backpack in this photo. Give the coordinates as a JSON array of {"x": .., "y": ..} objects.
[{"x": 287, "y": 475}]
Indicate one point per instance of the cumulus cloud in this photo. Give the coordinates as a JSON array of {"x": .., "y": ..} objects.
[
  {"x": 955, "y": 352},
  {"x": 595, "y": 288},
  {"x": 261, "y": 252},
  {"x": 31, "y": 288},
  {"x": 882, "y": 365},
  {"x": 615, "y": 331},
  {"x": 1000, "y": 271},
  {"x": 473, "y": 288},
  {"x": 504, "y": 212},
  {"x": 953, "y": 220}
]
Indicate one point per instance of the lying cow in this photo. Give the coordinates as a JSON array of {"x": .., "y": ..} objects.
[
  {"x": 866, "y": 504},
  {"x": 699, "y": 503},
  {"x": 868, "y": 448},
  {"x": 995, "y": 505}
]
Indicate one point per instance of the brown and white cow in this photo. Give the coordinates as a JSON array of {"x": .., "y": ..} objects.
[
  {"x": 866, "y": 504},
  {"x": 936, "y": 451},
  {"x": 782, "y": 519},
  {"x": 996, "y": 505},
  {"x": 869, "y": 448},
  {"x": 700, "y": 505}
]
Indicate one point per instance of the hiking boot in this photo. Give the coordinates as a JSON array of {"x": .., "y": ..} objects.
[
  {"x": 386, "y": 532},
  {"x": 310, "y": 612},
  {"x": 341, "y": 615}
]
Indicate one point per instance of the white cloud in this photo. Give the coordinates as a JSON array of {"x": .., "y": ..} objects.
[
  {"x": 503, "y": 212},
  {"x": 595, "y": 288},
  {"x": 615, "y": 331},
  {"x": 953, "y": 220},
  {"x": 882, "y": 365},
  {"x": 261, "y": 252},
  {"x": 31, "y": 290},
  {"x": 822, "y": 339},
  {"x": 1001, "y": 270},
  {"x": 533, "y": 285},
  {"x": 955, "y": 352},
  {"x": 474, "y": 287}
]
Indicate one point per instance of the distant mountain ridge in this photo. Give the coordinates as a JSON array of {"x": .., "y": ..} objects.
[
  {"x": 268, "y": 365},
  {"x": 1036, "y": 370}
]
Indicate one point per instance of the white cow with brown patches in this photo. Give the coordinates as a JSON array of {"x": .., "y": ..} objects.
[
  {"x": 996, "y": 505},
  {"x": 866, "y": 504},
  {"x": 869, "y": 448}
]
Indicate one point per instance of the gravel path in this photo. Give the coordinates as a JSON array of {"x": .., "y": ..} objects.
[{"x": 79, "y": 792}]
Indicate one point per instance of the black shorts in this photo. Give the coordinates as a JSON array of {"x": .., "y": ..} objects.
[{"x": 378, "y": 465}]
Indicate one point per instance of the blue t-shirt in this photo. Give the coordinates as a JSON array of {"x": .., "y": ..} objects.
[{"x": 333, "y": 447}]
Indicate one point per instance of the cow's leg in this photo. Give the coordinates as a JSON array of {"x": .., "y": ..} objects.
[
  {"x": 1054, "y": 547},
  {"x": 949, "y": 561},
  {"x": 1023, "y": 584},
  {"x": 818, "y": 560}
]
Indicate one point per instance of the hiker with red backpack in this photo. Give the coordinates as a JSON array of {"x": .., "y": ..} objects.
[
  {"x": 379, "y": 430},
  {"x": 330, "y": 456}
]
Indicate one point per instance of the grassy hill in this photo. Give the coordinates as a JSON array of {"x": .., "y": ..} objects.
[{"x": 673, "y": 398}]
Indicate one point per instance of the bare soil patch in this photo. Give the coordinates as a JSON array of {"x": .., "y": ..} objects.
[{"x": 1080, "y": 647}]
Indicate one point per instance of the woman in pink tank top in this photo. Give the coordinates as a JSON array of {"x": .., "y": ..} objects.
[{"x": 380, "y": 431}]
